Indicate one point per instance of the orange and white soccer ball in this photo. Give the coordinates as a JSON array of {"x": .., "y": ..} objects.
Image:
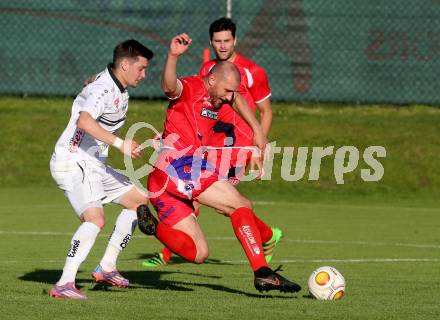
[{"x": 326, "y": 283}]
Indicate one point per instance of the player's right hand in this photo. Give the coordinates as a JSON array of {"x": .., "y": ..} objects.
[
  {"x": 157, "y": 141},
  {"x": 131, "y": 148},
  {"x": 260, "y": 142},
  {"x": 179, "y": 44},
  {"x": 256, "y": 165}
]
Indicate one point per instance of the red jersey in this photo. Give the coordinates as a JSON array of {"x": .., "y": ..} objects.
[
  {"x": 190, "y": 116},
  {"x": 181, "y": 173},
  {"x": 230, "y": 129}
]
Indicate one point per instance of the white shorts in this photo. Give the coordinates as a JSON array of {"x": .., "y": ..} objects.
[{"x": 89, "y": 184}]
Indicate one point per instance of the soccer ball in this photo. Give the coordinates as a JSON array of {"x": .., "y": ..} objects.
[{"x": 326, "y": 283}]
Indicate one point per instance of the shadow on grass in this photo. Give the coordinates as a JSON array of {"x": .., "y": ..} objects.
[
  {"x": 143, "y": 280},
  {"x": 178, "y": 260}
]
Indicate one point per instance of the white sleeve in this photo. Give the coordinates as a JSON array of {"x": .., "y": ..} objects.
[{"x": 96, "y": 100}]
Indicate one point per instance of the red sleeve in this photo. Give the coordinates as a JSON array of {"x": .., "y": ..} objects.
[
  {"x": 204, "y": 70},
  {"x": 183, "y": 95},
  {"x": 259, "y": 89}
]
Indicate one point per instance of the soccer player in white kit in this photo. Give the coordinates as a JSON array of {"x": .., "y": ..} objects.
[{"x": 78, "y": 166}]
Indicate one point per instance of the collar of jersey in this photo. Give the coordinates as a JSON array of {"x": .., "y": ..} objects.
[{"x": 118, "y": 83}]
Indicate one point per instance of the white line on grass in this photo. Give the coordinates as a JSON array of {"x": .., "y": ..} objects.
[{"x": 306, "y": 241}]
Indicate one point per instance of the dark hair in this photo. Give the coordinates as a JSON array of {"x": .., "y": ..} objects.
[
  {"x": 131, "y": 49},
  {"x": 222, "y": 24}
]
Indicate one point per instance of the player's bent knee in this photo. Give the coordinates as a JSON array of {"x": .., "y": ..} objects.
[
  {"x": 201, "y": 256},
  {"x": 99, "y": 221},
  {"x": 242, "y": 202},
  {"x": 133, "y": 199},
  {"x": 238, "y": 202},
  {"x": 246, "y": 203},
  {"x": 135, "y": 206},
  {"x": 94, "y": 214}
]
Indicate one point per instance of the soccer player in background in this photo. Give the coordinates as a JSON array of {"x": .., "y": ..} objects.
[
  {"x": 183, "y": 175},
  {"x": 78, "y": 167},
  {"x": 231, "y": 134}
]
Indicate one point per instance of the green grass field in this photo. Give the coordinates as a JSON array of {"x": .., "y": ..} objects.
[
  {"x": 388, "y": 254},
  {"x": 383, "y": 237}
]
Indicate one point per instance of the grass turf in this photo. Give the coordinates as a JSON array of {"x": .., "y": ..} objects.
[
  {"x": 388, "y": 254},
  {"x": 382, "y": 236},
  {"x": 31, "y": 126}
]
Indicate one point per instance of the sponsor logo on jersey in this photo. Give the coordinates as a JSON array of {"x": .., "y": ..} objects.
[
  {"x": 76, "y": 140},
  {"x": 189, "y": 186},
  {"x": 209, "y": 114},
  {"x": 116, "y": 103},
  {"x": 187, "y": 169}
]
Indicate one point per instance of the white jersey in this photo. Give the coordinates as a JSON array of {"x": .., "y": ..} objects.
[{"x": 106, "y": 101}]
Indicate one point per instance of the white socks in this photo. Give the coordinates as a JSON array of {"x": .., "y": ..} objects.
[
  {"x": 124, "y": 227},
  {"x": 80, "y": 246},
  {"x": 84, "y": 238}
]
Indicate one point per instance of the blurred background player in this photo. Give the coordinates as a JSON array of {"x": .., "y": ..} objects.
[
  {"x": 78, "y": 166},
  {"x": 183, "y": 175},
  {"x": 232, "y": 138}
]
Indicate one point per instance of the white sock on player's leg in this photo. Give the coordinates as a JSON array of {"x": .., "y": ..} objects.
[
  {"x": 124, "y": 227},
  {"x": 80, "y": 246}
]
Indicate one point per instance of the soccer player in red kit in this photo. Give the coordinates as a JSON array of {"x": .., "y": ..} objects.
[
  {"x": 182, "y": 174},
  {"x": 231, "y": 139}
]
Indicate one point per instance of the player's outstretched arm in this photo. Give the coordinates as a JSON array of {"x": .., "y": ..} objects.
[
  {"x": 91, "y": 127},
  {"x": 265, "y": 108},
  {"x": 179, "y": 45},
  {"x": 260, "y": 93},
  {"x": 241, "y": 107}
]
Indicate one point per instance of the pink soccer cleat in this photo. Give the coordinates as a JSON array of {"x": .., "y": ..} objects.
[
  {"x": 67, "y": 291},
  {"x": 112, "y": 277}
]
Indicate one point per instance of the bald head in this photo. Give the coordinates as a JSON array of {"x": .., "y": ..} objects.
[
  {"x": 222, "y": 82},
  {"x": 225, "y": 70}
]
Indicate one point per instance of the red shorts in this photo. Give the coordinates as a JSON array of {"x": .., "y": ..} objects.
[{"x": 173, "y": 188}]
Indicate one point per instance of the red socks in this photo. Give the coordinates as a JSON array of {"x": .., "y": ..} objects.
[
  {"x": 246, "y": 230},
  {"x": 265, "y": 230},
  {"x": 166, "y": 254},
  {"x": 176, "y": 241}
]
